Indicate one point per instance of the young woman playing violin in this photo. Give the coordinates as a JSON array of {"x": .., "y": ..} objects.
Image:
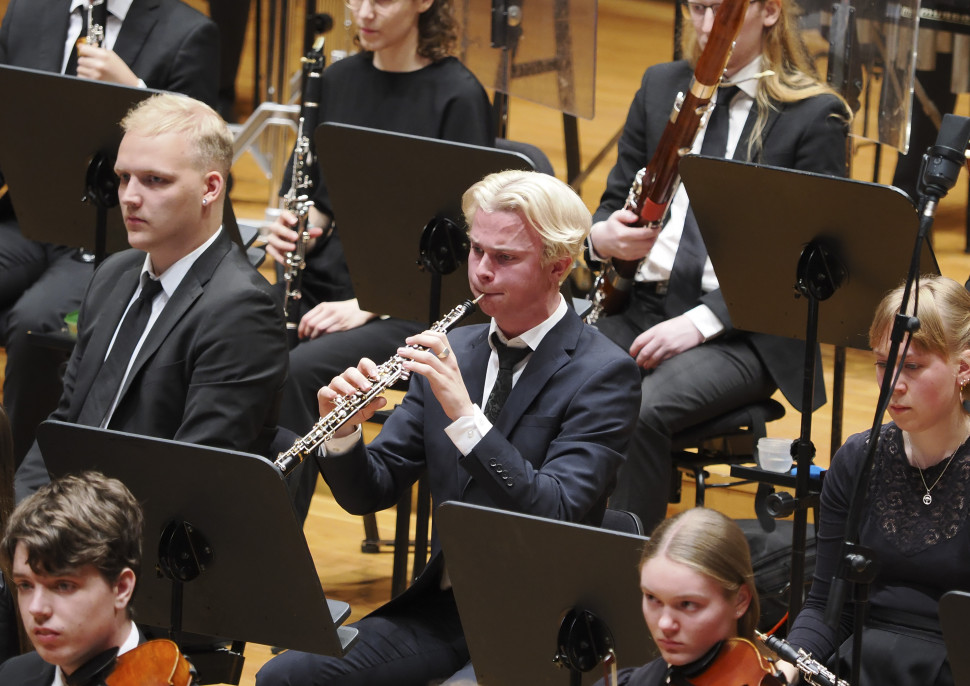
[{"x": 701, "y": 605}]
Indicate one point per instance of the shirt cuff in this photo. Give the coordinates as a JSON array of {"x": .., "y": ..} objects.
[
  {"x": 466, "y": 432},
  {"x": 340, "y": 446},
  {"x": 593, "y": 255},
  {"x": 706, "y": 321}
]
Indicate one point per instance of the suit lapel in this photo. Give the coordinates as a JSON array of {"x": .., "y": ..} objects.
[
  {"x": 741, "y": 152},
  {"x": 188, "y": 291},
  {"x": 52, "y": 33},
  {"x": 103, "y": 326},
  {"x": 139, "y": 22},
  {"x": 553, "y": 352}
]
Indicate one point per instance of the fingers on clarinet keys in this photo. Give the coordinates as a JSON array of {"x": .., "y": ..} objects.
[{"x": 443, "y": 355}]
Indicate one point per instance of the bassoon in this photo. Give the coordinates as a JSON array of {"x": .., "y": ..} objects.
[{"x": 654, "y": 185}]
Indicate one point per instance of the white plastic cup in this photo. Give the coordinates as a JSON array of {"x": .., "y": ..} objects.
[{"x": 774, "y": 454}]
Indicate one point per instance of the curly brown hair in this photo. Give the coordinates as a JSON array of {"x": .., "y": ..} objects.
[{"x": 437, "y": 31}]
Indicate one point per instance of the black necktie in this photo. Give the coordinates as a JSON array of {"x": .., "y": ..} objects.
[
  {"x": 71, "y": 68},
  {"x": 507, "y": 359},
  {"x": 112, "y": 372},
  {"x": 684, "y": 289}
]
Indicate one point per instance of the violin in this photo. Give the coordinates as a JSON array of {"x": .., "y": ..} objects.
[
  {"x": 155, "y": 663},
  {"x": 738, "y": 663}
]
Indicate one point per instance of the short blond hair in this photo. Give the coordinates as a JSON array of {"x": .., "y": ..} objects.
[
  {"x": 179, "y": 114},
  {"x": 544, "y": 202}
]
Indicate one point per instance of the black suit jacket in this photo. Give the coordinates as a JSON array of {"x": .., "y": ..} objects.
[
  {"x": 26, "y": 670},
  {"x": 166, "y": 43},
  {"x": 211, "y": 369},
  {"x": 809, "y": 135},
  {"x": 552, "y": 452},
  {"x": 30, "y": 669}
]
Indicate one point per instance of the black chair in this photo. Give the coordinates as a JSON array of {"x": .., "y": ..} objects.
[
  {"x": 538, "y": 158},
  {"x": 728, "y": 439},
  {"x": 623, "y": 522}
]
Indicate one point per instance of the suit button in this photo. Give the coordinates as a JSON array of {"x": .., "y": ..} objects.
[
  {"x": 492, "y": 462},
  {"x": 510, "y": 483}
]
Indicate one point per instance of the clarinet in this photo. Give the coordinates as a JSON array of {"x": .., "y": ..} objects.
[
  {"x": 813, "y": 671},
  {"x": 297, "y": 198},
  {"x": 654, "y": 185},
  {"x": 346, "y": 407}
]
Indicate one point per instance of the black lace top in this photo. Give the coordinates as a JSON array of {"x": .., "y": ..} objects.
[{"x": 923, "y": 549}]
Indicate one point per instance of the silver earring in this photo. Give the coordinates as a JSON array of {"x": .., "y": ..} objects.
[{"x": 205, "y": 202}]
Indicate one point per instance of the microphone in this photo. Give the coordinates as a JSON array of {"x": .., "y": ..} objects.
[{"x": 942, "y": 162}]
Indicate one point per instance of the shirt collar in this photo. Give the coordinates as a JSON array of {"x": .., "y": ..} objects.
[
  {"x": 173, "y": 275},
  {"x": 533, "y": 337},
  {"x": 117, "y": 8},
  {"x": 746, "y": 78},
  {"x": 130, "y": 644}
]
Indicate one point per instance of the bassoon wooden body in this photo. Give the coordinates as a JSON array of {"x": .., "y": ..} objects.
[{"x": 654, "y": 185}]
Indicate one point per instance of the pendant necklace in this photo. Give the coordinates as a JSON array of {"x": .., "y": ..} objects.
[{"x": 928, "y": 499}]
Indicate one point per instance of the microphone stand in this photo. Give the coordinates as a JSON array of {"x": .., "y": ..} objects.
[{"x": 857, "y": 564}]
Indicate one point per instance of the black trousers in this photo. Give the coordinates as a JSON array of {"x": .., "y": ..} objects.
[
  {"x": 413, "y": 646},
  {"x": 699, "y": 384}
]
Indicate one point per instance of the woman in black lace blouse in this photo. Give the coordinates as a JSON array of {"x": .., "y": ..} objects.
[{"x": 915, "y": 512}]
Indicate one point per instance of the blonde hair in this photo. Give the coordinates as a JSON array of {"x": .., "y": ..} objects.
[
  {"x": 544, "y": 202},
  {"x": 179, "y": 114},
  {"x": 713, "y": 545},
  {"x": 944, "y": 316},
  {"x": 784, "y": 53}
]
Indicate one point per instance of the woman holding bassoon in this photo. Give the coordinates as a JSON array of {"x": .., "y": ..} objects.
[{"x": 676, "y": 326}]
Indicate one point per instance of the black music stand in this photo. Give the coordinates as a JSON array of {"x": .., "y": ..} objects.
[
  {"x": 954, "y": 610},
  {"x": 760, "y": 225},
  {"x": 53, "y": 161},
  {"x": 386, "y": 188},
  {"x": 517, "y": 577},
  {"x": 255, "y": 579}
]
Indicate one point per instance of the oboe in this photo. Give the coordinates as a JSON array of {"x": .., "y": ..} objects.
[
  {"x": 813, "y": 671},
  {"x": 346, "y": 407},
  {"x": 297, "y": 198},
  {"x": 95, "y": 35}
]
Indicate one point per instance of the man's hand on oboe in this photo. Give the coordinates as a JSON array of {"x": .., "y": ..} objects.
[{"x": 352, "y": 380}]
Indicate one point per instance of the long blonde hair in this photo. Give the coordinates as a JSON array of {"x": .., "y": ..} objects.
[
  {"x": 713, "y": 545},
  {"x": 784, "y": 53}
]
